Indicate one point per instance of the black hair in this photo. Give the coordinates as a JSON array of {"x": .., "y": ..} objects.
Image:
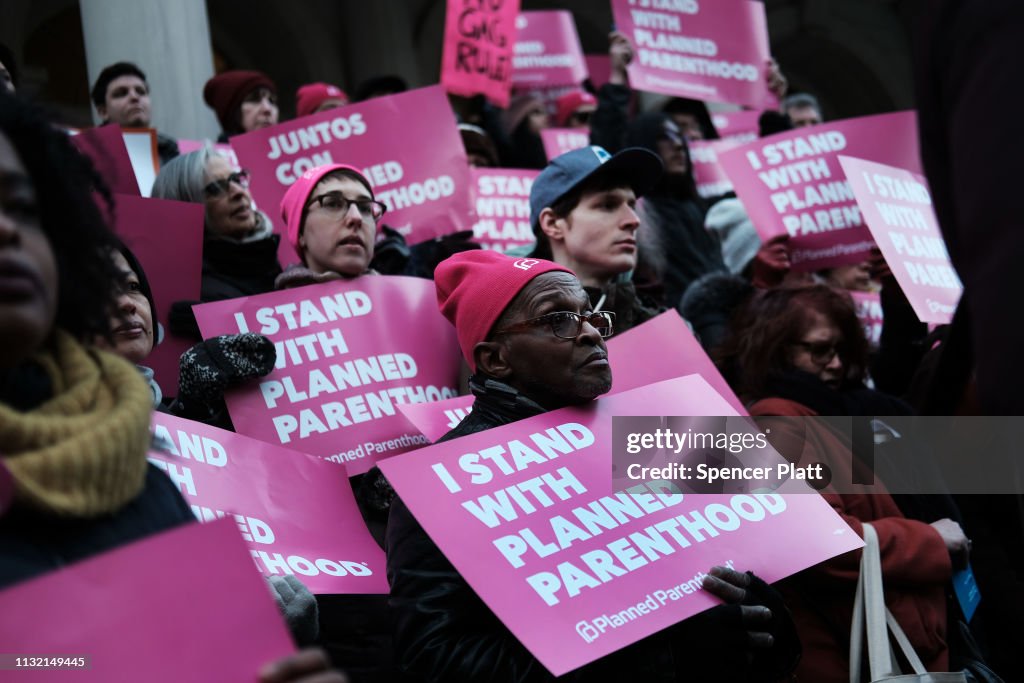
[
  {"x": 7, "y": 59},
  {"x": 374, "y": 86},
  {"x": 140, "y": 273},
  {"x": 65, "y": 182},
  {"x": 108, "y": 75}
]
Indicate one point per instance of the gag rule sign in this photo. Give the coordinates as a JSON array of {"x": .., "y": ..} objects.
[
  {"x": 502, "y": 203},
  {"x": 792, "y": 184},
  {"x": 416, "y": 164},
  {"x": 479, "y": 38},
  {"x": 898, "y": 210},
  {"x": 547, "y": 50},
  {"x": 275, "y": 497},
  {"x": 528, "y": 515},
  {"x": 348, "y": 354},
  {"x": 705, "y": 49}
]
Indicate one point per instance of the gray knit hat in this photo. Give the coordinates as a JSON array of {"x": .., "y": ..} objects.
[{"x": 729, "y": 220}]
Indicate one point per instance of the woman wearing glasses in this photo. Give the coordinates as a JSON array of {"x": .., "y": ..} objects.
[
  {"x": 801, "y": 352},
  {"x": 239, "y": 245},
  {"x": 332, "y": 218}
]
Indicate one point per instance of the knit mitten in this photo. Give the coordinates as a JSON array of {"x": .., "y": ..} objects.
[
  {"x": 298, "y": 606},
  {"x": 211, "y": 366}
]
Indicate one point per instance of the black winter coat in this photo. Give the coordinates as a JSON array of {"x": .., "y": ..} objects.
[
  {"x": 234, "y": 269},
  {"x": 31, "y": 545}
]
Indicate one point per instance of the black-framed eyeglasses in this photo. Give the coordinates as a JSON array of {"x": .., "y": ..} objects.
[
  {"x": 566, "y": 325},
  {"x": 581, "y": 118},
  {"x": 218, "y": 187},
  {"x": 336, "y": 205},
  {"x": 821, "y": 353}
]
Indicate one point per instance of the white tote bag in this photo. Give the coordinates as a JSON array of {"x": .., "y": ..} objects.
[{"x": 870, "y": 613}]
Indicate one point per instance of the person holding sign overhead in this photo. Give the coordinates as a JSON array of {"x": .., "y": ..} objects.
[{"x": 528, "y": 331}]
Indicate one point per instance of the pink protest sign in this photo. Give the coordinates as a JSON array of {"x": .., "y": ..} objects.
[
  {"x": 145, "y": 612},
  {"x": 869, "y": 313},
  {"x": 792, "y": 184},
  {"x": 549, "y": 96},
  {"x": 547, "y": 50},
  {"x": 479, "y": 39},
  {"x": 558, "y": 141},
  {"x": 713, "y": 51},
  {"x": 106, "y": 148},
  {"x": 349, "y": 352},
  {"x": 665, "y": 337},
  {"x": 501, "y": 198},
  {"x": 898, "y": 210},
  {"x": 741, "y": 126},
  {"x": 711, "y": 178},
  {"x": 186, "y": 146},
  {"x": 416, "y": 164},
  {"x": 167, "y": 238},
  {"x": 599, "y": 67},
  {"x": 274, "y": 495},
  {"x": 551, "y": 574},
  {"x": 434, "y": 420}
]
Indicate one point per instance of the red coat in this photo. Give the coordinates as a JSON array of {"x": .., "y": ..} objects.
[{"x": 915, "y": 568}]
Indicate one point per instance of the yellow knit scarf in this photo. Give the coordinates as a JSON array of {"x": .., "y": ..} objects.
[{"x": 82, "y": 453}]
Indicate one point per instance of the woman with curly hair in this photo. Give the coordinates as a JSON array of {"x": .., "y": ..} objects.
[
  {"x": 801, "y": 352},
  {"x": 74, "y": 420}
]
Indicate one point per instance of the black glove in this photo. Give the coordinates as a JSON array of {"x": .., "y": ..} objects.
[
  {"x": 781, "y": 659},
  {"x": 182, "y": 321},
  {"x": 211, "y": 366}
]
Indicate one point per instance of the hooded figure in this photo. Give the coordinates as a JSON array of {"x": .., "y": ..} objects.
[{"x": 673, "y": 241}]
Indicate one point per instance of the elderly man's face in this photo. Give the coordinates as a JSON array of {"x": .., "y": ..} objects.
[{"x": 552, "y": 371}]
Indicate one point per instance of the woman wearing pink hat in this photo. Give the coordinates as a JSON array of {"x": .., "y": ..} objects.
[{"x": 331, "y": 217}]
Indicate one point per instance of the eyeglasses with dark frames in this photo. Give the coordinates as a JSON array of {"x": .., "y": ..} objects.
[
  {"x": 566, "y": 325},
  {"x": 218, "y": 187},
  {"x": 336, "y": 205},
  {"x": 821, "y": 353}
]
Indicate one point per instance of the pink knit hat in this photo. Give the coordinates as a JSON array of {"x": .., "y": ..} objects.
[
  {"x": 312, "y": 95},
  {"x": 293, "y": 204},
  {"x": 474, "y": 288}
]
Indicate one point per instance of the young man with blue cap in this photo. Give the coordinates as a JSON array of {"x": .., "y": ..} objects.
[{"x": 583, "y": 212}]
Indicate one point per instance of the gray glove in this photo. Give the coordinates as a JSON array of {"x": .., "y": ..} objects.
[{"x": 298, "y": 606}]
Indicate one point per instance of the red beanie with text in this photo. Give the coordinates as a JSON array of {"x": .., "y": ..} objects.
[{"x": 475, "y": 287}]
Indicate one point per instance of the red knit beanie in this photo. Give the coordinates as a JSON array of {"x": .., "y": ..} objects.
[
  {"x": 224, "y": 93},
  {"x": 312, "y": 95},
  {"x": 475, "y": 287},
  {"x": 567, "y": 104}
]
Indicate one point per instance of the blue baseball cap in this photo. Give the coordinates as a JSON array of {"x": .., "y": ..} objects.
[{"x": 639, "y": 168}]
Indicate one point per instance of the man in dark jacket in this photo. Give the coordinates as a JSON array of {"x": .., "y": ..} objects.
[{"x": 527, "y": 331}]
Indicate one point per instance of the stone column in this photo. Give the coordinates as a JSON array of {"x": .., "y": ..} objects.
[{"x": 170, "y": 42}]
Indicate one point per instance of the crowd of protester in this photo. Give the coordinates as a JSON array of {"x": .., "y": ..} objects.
[{"x": 621, "y": 236}]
